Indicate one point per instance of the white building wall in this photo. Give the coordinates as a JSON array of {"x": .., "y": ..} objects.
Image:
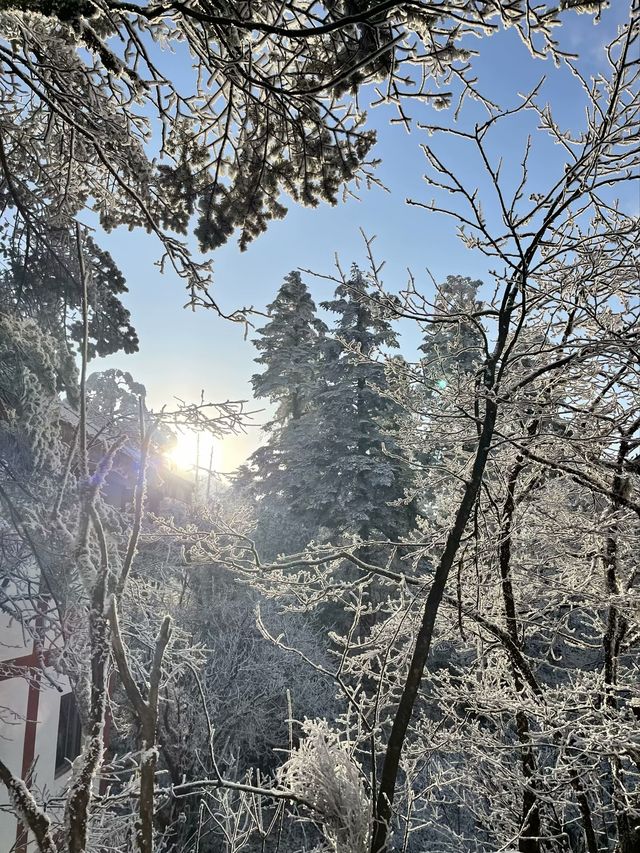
[
  {"x": 13, "y": 710},
  {"x": 13, "y": 713},
  {"x": 12, "y": 639}
]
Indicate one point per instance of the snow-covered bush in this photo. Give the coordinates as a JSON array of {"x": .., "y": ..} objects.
[{"x": 323, "y": 772}]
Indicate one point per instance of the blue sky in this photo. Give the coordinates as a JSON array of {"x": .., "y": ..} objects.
[{"x": 182, "y": 352}]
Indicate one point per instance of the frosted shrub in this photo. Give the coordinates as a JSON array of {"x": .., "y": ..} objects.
[{"x": 323, "y": 772}]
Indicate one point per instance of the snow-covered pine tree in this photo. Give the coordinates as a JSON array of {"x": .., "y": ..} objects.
[
  {"x": 288, "y": 347},
  {"x": 358, "y": 480},
  {"x": 454, "y": 346},
  {"x": 290, "y": 351}
]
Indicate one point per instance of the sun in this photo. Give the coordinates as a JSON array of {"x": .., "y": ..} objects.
[
  {"x": 189, "y": 452},
  {"x": 184, "y": 454}
]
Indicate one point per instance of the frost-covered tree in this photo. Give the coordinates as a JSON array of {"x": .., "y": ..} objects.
[
  {"x": 532, "y": 338},
  {"x": 451, "y": 347},
  {"x": 357, "y": 478},
  {"x": 92, "y": 116},
  {"x": 73, "y": 561},
  {"x": 289, "y": 346},
  {"x": 291, "y": 352},
  {"x": 34, "y": 368},
  {"x": 41, "y": 279},
  {"x": 331, "y": 467}
]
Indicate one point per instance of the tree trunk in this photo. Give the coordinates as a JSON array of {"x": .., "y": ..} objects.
[
  {"x": 404, "y": 711},
  {"x": 530, "y": 829}
]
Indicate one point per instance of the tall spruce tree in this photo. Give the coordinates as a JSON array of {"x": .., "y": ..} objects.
[
  {"x": 358, "y": 480},
  {"x": 332, "y": 467},
  {"x": 288, "y": 347},
  {"x": 291, "y": 349},
  {"x": 454, "y": 346}
]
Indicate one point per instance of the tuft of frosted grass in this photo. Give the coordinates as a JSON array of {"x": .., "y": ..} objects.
[{"x": 322, "y": 771}]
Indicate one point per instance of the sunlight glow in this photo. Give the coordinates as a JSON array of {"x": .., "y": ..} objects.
[{"x": 186, "y": 454}]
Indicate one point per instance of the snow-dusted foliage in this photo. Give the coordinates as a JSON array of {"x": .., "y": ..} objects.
[
  {"x": 33, "y": 367},
  {"x": 494, "y": 696},
  {"x": 322, "y": 772}
]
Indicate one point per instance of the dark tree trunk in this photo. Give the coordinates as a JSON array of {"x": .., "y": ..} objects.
[{"x": 425, "y": 634}]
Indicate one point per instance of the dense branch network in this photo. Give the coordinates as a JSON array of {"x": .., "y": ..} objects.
[{"x": 268, "y": 107}]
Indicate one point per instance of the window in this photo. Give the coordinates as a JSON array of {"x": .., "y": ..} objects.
[{"x": 69, "y": 734}]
